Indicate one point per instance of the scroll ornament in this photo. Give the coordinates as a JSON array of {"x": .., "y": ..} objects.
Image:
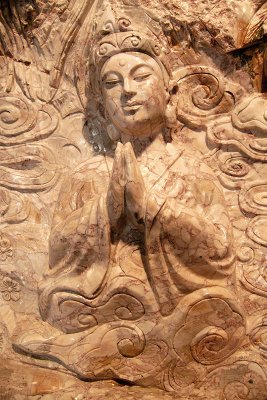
[
  {"x": 22, "y": 121},
  {"x": 234, "y": 169},
  {"x": 27, "y": 167},
  {"x": 258, "y": 333},
  {"x": 202, "y": 94},
  {"x": 244, "y": 131},
  {"x": 252, "y": 200},
  {"x": 140, "y": 350},
  {"x": 173, "y": 309},
  {"x": 245, "y": 379},
  {"x": 244, "y": 128}
]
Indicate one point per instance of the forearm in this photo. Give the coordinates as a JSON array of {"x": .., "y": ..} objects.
[
  {"x": 195, "y": 236},
  {"x": 81, "y": 235}
]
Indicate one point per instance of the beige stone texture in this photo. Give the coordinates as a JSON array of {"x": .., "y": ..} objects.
[{"x": 133, "y": 205}]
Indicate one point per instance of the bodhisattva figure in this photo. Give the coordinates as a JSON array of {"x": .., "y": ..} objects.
[{"x": 150, "y": 222}]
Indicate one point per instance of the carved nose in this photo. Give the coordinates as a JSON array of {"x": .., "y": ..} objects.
[{"x": 128, "y": 86}]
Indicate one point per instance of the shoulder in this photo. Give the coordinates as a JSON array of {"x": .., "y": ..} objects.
[
  {"x": 199, "y": 176},
  {"x": 191, "y": 162}
]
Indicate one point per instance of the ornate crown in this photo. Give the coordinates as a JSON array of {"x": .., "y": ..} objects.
[{"x": 132, "y": 30}]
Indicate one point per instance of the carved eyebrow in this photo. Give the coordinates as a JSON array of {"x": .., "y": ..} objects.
[
  {"x": 132, "y": 71},
  {"x": 136, "y": 67}
]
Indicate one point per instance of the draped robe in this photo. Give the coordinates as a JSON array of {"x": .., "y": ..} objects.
[{"x": 185, "y": 244}]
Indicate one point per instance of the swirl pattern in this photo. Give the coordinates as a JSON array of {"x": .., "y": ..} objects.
[
  {"x": 75, "y": 313},
  {"x": 256, "y": 230},
  {"x": 241, "y": 380},
  {"x": 14, "y": 208},
  {"x": 22, "y": 122},
  {"x": 258, "y": 334},
  {"x": 245, "y": 253},
  {"x": 252, "y": 198},
  {"x": 180, "y": 378},
  {"x": 244, "y": 127},
  {"x": 234, "y": 165},
  {"x": 215, "y": 336},
  {"x": 124, "y": 24},
  {"x": 201, "y": 95},
  {"x": 27, "y": 167},
  {"x": 235, "y": 169},
  {"x": 254, "y": 274}
]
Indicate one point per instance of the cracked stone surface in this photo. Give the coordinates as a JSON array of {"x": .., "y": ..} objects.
[{"x": 133, "y": 205}]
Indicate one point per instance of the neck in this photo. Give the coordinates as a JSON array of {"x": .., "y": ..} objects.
[{"x": 145, "y": 144}]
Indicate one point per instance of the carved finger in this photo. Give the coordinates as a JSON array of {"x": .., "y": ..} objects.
[
  {"x": 135, "y": 191},
  {"x": 115, "y": 195}
]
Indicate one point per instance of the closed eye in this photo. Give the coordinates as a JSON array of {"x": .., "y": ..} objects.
[
  {"x": 141, "y": 77},
  {"x": 111, "y": 83}
]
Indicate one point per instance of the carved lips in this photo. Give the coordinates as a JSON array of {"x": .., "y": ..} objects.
[{"x": 133, "y": 106}]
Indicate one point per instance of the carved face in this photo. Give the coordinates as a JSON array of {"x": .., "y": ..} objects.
[{"x": 134, "y": 93}]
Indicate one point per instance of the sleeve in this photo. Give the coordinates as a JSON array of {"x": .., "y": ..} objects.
[
  {"x": 79, "y": 246},
  {"x": 199, "y": 229},
  {"x": 189, "y": 241}
]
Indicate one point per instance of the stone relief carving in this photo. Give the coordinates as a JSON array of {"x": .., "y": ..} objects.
[{"x": 132, "y": 206}]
